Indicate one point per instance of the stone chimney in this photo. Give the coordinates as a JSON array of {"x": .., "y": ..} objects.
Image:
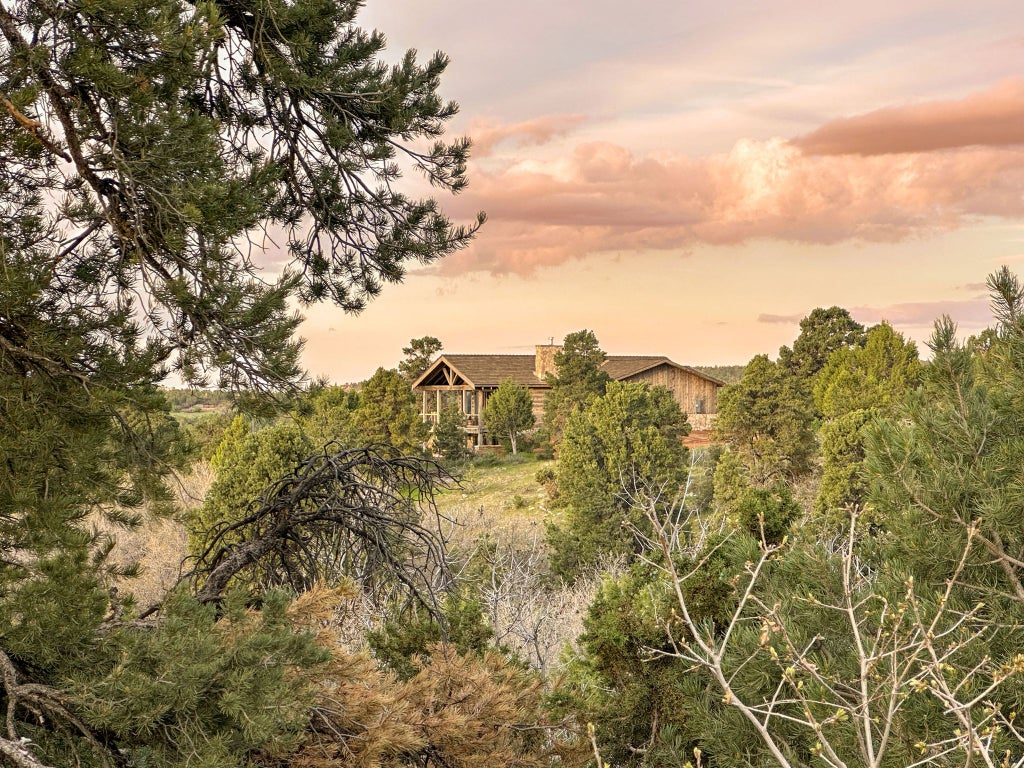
[{"x": 545, "y": 359}]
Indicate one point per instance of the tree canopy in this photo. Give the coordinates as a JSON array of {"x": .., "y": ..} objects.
[
  {"x": 765, "y": 420},
  {"x": 577, "y": 380},
  {"x": 509, "y": 412},
  {"x": 176, "y": 138},
  {"x": 628, "y": 440},
  {"x": 822, "y": 332},
  {"x": 151, "y": 151},
  {"x": 418, "y": 355}
]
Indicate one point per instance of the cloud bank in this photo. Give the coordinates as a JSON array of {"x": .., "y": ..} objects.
[
  {"x": 992, "y": 118},
  {"x": 601, "y": 198}
]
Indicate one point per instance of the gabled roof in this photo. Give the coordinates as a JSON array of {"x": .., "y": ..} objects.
[
  {"x": 491, "y": 370},
  {"x": 621, "y": 367},
  {"x": 483, "y": 370}
]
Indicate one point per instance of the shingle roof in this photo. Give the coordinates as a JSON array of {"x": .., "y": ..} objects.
[
  {"x": 621, "y": 366},
  {"x": 491, "y": 370}
]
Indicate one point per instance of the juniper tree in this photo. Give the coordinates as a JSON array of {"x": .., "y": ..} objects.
[
  {"x": 632, "y": 434},
  {"x": 764, "y": 420},
  {"x": 577, "y": 380},
  {"x": 388, "y": 413},
  {"x": 857, "y": 385}
]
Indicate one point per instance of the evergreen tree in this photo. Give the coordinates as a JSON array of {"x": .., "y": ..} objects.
[
  {"x": 388, "y": 413},
  {"x": 577, "y": 381},
  {"x": 897, "y": 644},
  {"x": 509, "y": 412},
  {"x": 145, "y": 146},
  {"x": 822, "y": 332},
  {"x": 857, "y": 385},
  {"x": 766, "y": 423},
  {"x": 248, "y": 463},
  {"x": 629, "y": 441},
  {"x": 418, "y": 356},
  {"x": 449, "y": 436},
  {"x": 326, "y": 415}
]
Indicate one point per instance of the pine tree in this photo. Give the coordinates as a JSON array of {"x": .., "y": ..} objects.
[
  {"x": 418, "y": 356},
  {"x": 145, "y": 147}
]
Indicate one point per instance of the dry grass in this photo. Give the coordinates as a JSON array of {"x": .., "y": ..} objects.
[
  {"x": 500, "y": 514},
  {"x": 159, "y": 544},
  {"x": 506, "y": 501}
]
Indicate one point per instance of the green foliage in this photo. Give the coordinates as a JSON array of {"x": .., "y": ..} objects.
[
  {"x": 509, "y": 412},
  {"x": 842, "y": 453},
  {"x": 388, "y": 413},
  {"x": 326, "y": 415},
  {"x": 207, "y": 432},
  {"x": 857, "y": 385},
  {"x": 247, "y": 464},
  {"x": 173, "y": 101},
  {"x": 731, "y": 483},
  {"x": 950, "y": 457},
  {"x": 821, "y": 333},
  {"x": 646, "y": 706},
  {"x": 874, "y": 375},
  {"x": 765, "y": 421},
  {"x": 617, "y": 683},
  {"x": 146, "y": 148},
  {"x": 197, "y": 400},
  {"x": 627, "y": 441},
  {"x": 449, "y": 436},
  {"x": 894, "y": 644},
  {"x": 403, "y": 642},
  {"x": 577, "y": 381},
  {"x": 768, "y": 514},
  {"x": 200, "y": 690},
  {"x": 418, "y": 356},
  {"x": 728, "y": 374}
]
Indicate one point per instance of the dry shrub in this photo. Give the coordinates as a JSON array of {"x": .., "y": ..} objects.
[{"x": 459, "y": 711}]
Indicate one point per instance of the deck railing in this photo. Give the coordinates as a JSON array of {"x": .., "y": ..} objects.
[{"x": 472, "y": 419}]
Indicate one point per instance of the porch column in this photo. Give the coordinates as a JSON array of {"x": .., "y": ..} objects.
[{"x": 479, "y": 396}]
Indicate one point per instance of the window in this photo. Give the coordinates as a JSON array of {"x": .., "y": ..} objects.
[{"x": 698, "y": 406}]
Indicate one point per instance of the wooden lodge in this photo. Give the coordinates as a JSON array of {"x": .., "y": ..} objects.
[{"x": 468, "y": 380}]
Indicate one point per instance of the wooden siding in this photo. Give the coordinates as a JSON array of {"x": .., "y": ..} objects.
[{"x": 687, "y": 388}]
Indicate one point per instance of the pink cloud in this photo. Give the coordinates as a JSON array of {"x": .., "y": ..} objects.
[
  {"x": 991, "y": 118},
  {"x": 540, "y": 130},
  {"x": 603, "y": 198},
  {"x": 970, "y": 313}
]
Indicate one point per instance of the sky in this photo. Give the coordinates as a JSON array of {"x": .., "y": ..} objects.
[{"x": 692, "y": 178}]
